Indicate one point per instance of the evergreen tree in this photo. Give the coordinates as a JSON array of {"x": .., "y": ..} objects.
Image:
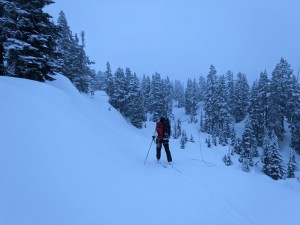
[
  {"x": 246, "y": 165},
  {"x": 156, "y": 106},
  {"x": 178, "y": 93},
  {"x": 227, "y": 159},
  {"x": 273, "y": 163},
  {"x": 109, "y": 81},
  {"x": 292, "y": 165},
  {"x": 81, "y": 65},
  {"x": 208, "y": 142},
  {"x": 183, "y": 140},
  {"x": 249, "y": 144},
  {"x": 202, "y": 128},
  {"x": 177, "y": 129},
  {"x": 65, "y": 47},
  {"x": 295, "y": 130},
  {"x": 266, "y": 155},
  {"x": 233, "y": 135},
  {"x": 118, "y": 98},
  {"x": 210, "y": 107},
  {"x": 146, "y": 88},
  {"x": 279, "y": 89},
  {"x": 74, "y": 63},
  {"x": 29, "y": 40},
  {"x": 8, "y": 16},
  {"x": 202, "y": 86},
  {"x": 230, "y": 91},
  {"x": 191, "y": 139},
  {"x": 100, "y": 81},
  {"x": 293, "y": 105},
  {"x": 135, "y": 104},
  {"x": 129, "y": 88},
  {"x": 191, "y": 99},
  {"x": 237, "y": 148},
  {"x": 223, "y": 116},
  {"x": 241, "y": 96},
  {"x": 214, "y": 140},
  {"x": 254, "y": 112},
  {"x": 262, "y": 113},
  {"x": 167, "y": 90}
]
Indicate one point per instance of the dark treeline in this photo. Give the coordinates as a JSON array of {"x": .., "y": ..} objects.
[{"x": 34, "y": 47}]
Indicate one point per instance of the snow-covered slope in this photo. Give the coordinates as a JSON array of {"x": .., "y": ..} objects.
[{"x": 67, "y": 159}]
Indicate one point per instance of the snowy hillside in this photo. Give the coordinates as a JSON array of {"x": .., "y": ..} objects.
[{"x": 71, "y": 159}]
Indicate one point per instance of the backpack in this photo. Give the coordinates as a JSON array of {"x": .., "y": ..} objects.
[
  {"x": 166, "y": 128},
  {"x": 160, "y": 132}
]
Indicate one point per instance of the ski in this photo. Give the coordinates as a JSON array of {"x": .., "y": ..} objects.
[
  {"x": 175, "y": 168},
  {"x": 162, "y": 164},
  {"x": 166, "y": 164}
]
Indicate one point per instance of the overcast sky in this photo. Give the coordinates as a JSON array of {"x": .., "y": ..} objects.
[{"x": 182, "y": 38}]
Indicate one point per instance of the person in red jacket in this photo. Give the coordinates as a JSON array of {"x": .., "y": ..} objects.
[{"x": 163, "y": 134}]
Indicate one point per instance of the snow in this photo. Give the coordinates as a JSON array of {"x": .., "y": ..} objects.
[{"x": 68, "y": 158}]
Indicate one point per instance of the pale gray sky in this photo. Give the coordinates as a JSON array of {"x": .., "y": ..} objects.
[{"x": 182, "y": 38}]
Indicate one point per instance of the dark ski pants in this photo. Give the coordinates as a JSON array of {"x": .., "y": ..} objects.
[{"x": 159, "y": 144}]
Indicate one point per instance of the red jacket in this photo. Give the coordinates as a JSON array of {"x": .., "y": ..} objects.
[{"x": 160, "y": 132}]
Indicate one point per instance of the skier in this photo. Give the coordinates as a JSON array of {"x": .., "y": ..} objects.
[{"x": 163, "y": 130}]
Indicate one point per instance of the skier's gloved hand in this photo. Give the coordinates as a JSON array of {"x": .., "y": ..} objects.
[{"x": 153, "y": 137}]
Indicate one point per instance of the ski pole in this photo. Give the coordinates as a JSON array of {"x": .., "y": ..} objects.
[{"x": 149, "y": 149}]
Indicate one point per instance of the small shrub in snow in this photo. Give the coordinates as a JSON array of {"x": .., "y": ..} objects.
[{"x": 227, "y": 159}]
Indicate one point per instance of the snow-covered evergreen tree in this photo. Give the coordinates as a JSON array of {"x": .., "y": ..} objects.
[
  {"x": 146, "y": 88},
  {"x": 214, "y": 140},
  {"x": 81, "y": 65},
  {"x": 118, "y": 98},
  {"x": 65, "y": 47},
  {"x": 273, "y": 162},
  {"x": 233, "y": 136},
  {"x": 135, "y": 109},
  {"x": 130, "y": 88},
  {"x": 293, "y": 105},
  {"x": 260, "y": 122},
  {"x": 246, "y": 165},
  {"x": 292, "y": 165},
  {"x": 227, "y": 159},
  {"x": 177, "y": 129},
  {"x": 191, "y": 139},
  {"x": 223, "y": 116},
  {"x": 237, "y": 148},
  {"x": 28, "y": 40},
  {"x": 191, "y": 100},
  {"x": 249, "y": 144},
  {"x": 254, "y": 112},
  {"x": 157, "y": 106},
  {"x": 208, "y": 142},
  {"x": 202, "y": 86},
  {"x": 241, "y": 98},
  {"x": 218, "y": 118},
  {"x": 178, "y": 93},
  {"x": 279, "y": 89},
  {"x": 109, "y": 81},
  {"x": 295, "y": 130},
  {"x": 183, "y": 140},
  {"x": 230, "y": 90},
  {"x": 210, "y": 108},
  {"x": 167, "y": 89},
  {"x": 202, "y": 128},
  {"x": 99, "y": 81}
]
